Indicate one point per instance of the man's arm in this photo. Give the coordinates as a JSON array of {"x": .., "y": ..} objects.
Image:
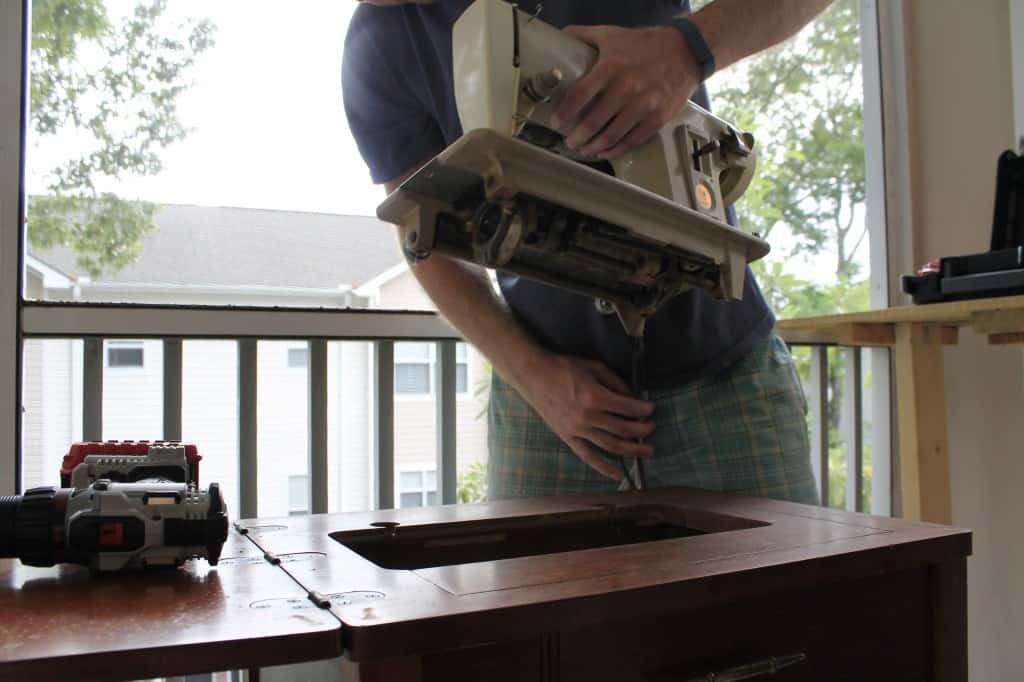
[
  {"x": 643, "y": 77},
  {"x": 736, "y": 29},
  {"x": 583, "y": 401}
]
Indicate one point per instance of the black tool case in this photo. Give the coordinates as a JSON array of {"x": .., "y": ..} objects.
[{"x": 997, "y": 272}]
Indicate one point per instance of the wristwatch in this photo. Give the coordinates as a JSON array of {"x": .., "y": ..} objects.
[{"x": 698, "y": 46}]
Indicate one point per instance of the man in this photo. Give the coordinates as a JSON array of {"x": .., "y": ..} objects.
[{"x": 726, "y": 409}]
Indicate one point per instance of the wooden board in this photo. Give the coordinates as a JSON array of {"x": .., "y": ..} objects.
[{"x": 953, "y": 313}]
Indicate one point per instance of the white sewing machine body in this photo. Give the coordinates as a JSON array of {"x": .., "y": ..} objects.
[{"x": 509, "y": 195}]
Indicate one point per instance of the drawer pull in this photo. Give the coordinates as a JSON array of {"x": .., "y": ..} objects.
[{"x": 768, "y": 666}]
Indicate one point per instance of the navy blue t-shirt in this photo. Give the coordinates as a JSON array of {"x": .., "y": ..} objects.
[{"x": 400, "y": 103}]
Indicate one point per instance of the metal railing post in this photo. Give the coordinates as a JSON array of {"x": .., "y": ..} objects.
[
  {"x": 447, "y": 475},
  {"x": 317, "y": 372},
  {"x": 248, "y": 455},
  {"x": 852, "y": 417},
  {"x": 172, "y": 388},
  {"x": 384, "y": 422},
  {"x": 818, "y": 401},
  {"x": 92, "y": 389}
]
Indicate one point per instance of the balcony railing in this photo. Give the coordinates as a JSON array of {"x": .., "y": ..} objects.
[{"x": 94, "y": 323}]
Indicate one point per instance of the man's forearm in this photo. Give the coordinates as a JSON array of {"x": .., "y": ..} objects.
[
  {"x": 735, "y": 29},
  {"x": 463, "y": 294},
  {"x": 465, "y": 297}
]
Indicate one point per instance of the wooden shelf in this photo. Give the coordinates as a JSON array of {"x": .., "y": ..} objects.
[{"x": 917, "y": 334}]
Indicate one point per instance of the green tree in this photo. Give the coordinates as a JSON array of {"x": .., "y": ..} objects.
[
  {"x": 112, "y": 87},
  {"x": 472, "y": 484},
  {"x": 804, "y": 102}
]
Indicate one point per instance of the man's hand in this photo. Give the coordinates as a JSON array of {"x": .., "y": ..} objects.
[
  {"x": 586, "y": 404},
  {"x": 641, "y": 81}
]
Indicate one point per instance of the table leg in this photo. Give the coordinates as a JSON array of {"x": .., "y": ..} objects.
[{"x": 921, "y": 419}]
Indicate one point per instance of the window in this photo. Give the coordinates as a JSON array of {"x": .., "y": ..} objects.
[
  {"x": 125, "y": 354},
  {"x": 415, "y": 364},
  {"x": 461, "y": 368},
  {"x": 298, "y": 495},
  {"x": 417, "y": 488},
  {"x": 298, "y": 358}
]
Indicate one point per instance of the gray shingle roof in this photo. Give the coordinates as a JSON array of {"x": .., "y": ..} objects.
[{"x": 254, "y": 247}]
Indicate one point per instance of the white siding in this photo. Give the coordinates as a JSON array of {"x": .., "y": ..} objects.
[
  {"x": 42, "y": 457},
  {"x": 209, "y": 412},
  {"x": 32, "y": 473},
  {"x": 283, "y": 432},
  {"x": 349, "y": 416},
  {"x": 133, "y": 397}
]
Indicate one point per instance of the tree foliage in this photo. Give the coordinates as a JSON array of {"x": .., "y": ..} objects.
[
  {"x": 804, "y": 102},
  {"x": 472, "y": 484},
  {"x": 109, "y": 89}
]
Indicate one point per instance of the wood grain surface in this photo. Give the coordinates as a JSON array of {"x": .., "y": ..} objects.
[
  {"x": 395, "y": 613},
  {"x": 61, "y": 623},
  {"x": 258, "y": 607}
]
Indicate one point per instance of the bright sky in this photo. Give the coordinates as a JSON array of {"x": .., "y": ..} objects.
[{"x": 270, "y": 131}]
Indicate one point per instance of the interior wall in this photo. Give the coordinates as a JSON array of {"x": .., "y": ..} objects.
[
  {"x": 1017, "y": 47},
  {"x": 961, "y": 118}
]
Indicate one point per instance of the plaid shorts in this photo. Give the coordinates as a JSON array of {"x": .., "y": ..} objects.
[{"x": 743, "y": 430}]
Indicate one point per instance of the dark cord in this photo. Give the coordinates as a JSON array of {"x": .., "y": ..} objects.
[{"x": 637, "y": 388}]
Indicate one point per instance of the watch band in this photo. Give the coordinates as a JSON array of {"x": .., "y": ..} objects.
[{"x": 698, "y": 46}]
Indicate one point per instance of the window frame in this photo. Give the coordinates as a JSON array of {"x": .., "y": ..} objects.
[{"x": 22, "y": 319}]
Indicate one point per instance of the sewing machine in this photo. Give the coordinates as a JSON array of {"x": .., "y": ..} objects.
[{"x": 509, "y": 195}]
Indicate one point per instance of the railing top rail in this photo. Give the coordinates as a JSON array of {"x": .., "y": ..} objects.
[{"x": 133, "y": 320}]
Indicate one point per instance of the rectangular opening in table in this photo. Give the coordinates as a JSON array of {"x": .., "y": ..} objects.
[{"x": 398, "y": 547}]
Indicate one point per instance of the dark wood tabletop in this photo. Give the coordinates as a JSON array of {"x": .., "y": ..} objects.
[
  {"x": 61, "y": 623},
  {"x": 751, "y": 547},
  {"x": 404, "y": 582}
]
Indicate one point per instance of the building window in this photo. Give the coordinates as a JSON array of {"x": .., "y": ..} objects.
[
  {"x": 415, "y": 364},
  {"x": 298, "y": 495},
  {"x": 461, "y": 368},
  {"x": 125, "y": 354},
  {"x": 298, "y": 357},
  {"x": 417, "y": 488}
]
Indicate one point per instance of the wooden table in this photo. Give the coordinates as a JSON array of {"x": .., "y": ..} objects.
[
  {"x": 917, "y": 335},
  {"x": 659, "y": 585}
]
